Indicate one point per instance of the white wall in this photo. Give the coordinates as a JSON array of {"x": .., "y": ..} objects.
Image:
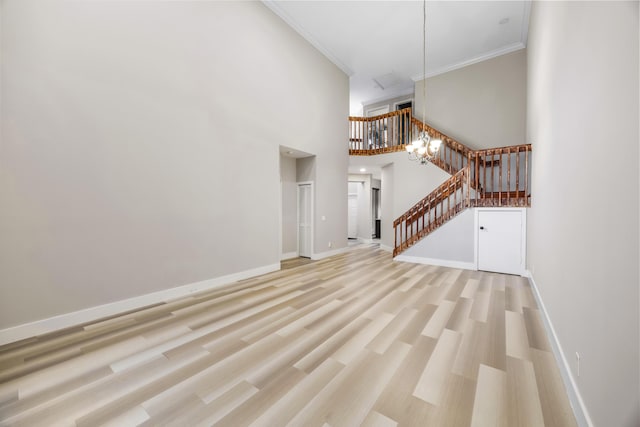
[
  {"x": 387, "y": 187},
  {"x": 403, "y": 184},
  {"x": 140, "y": 147},
  {"x": 453, "y": 241},
  {"x": 582, "y": 119},
  {"x": 481, "y": 105},
  {"x": 289, "y": 205}
]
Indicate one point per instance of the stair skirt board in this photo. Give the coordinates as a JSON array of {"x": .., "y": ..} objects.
[
  {"x": 79, "y": 317},
  {"x": 439, "y": 262}
]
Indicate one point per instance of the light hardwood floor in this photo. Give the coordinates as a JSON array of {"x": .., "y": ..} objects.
[{"x": 352, "y": 340}]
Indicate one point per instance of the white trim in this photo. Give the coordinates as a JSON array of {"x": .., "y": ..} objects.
[
  {"x": 434, "y": 261},
  {"x": 280, "y": 213},
  {"x": 523, "y": 235},
  {"x": 275, "y": 8},
  {"x": 91, "y": 314},
  {"x": 288, "y": 255},
  {"x": 485, "y": 56},
  {"x": 524, "y": 36},
  {"x": 386, "y": 248},
  {"x": 575, "y": 398},
  {"x": 327, "y": 254},
  {"x": 365, "y": 241}
]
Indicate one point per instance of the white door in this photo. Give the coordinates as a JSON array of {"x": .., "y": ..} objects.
[
  {"x": 352, "y": 224},
  {"x": 500, "y": 241},
  {"x": 304, "y": 220}
]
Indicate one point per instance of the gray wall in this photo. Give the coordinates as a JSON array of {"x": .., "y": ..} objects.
[
  {"x": 387, "y": 187},
  {"x": 453, "y": 241},
  {"x": 582, "y": 101},
  {"x": 289, "y": 204},
  {"x": 482, "y": 105},
  {"x": 140, "y": 147},
  {"x": 403, "y": 183}
]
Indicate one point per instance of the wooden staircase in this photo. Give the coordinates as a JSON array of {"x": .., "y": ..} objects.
[{"x": 495, "y": 177}]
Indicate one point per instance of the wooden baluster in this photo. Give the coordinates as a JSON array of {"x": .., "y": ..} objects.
[
  {"x": 455, "y": 195},
  {"x": 518, "y": 177},
  {"x": 440, "y": 207},
  {"x": 392, "y": 130},
  {"x": 526, "y": 177},
  {"x": 500, "y": 180},
  {"x": 448, "y": 198},
  {"x": 508, "y": 176},
  {"x": 476, "y": 176},
  {"x": 383, "y": 132},
  {"x": 494, "y": 170},
  {"x": 468, "y": 180},
  {"x": 486, "y": 153}
]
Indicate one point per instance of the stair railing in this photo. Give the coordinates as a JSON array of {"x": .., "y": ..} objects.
[
  {"x": 502, "y": 175},
  {"x": 386, "y": 133},
  {"x": 391, "y": 132},
  {"x": 442, "y": 204},
  {"x": 495, "y": 177},
  {"x": 452, "y": 155}
]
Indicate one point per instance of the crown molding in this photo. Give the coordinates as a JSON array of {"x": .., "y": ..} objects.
[
  {"x": 485, "y": 56},
  {"x": 275, "y": 8}
]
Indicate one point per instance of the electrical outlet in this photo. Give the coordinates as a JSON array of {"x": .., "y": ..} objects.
[
  {"x": 330, "y": 244},
  {"x": 578, "y": 362}
]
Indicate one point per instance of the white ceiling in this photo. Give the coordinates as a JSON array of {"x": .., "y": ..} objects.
[{"x": 379, "y": 43}]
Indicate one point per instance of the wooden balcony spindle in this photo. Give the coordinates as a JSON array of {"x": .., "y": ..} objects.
[
  {"x": 518, "y": 176},
  {"x": 508, "y": 176},
  {"x": 500, "y": 179},
  {"x": 526, "y": 176}
]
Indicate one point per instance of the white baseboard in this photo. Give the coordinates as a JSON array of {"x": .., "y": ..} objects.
[
  {"x": 327, "y": 254},
  {"x": 575, "y": 398},
  {"x": 386, "y": 248},
  {"x": 39, "y": 327},
  {"x": 365, "y": 241},
  {"x": 288, "y": 255},
  {"x": 440, "y": 262}
]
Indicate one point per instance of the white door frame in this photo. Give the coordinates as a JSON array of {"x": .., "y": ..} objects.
[
  {"x": 298, "y": 184},
  {"x": 476, "y": 236}
]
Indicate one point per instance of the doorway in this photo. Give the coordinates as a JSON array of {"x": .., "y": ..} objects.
[
  {"x": 352, "y": 223},
  {"x": 305, "y": 219}
]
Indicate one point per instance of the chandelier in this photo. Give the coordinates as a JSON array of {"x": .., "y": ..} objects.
[{"x": 424, "y": 148}]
